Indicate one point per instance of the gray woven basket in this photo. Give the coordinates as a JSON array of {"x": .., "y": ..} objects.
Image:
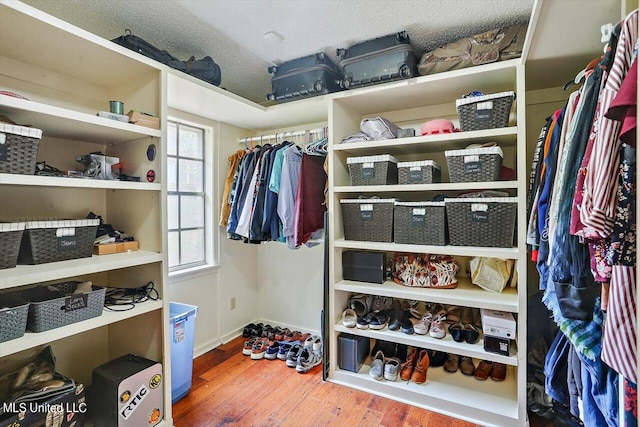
[
  {"x": 482, "y": 222},
  {"x": 420, "y": 223},
  {"x": 373, "y": 170},
  {"x": 10, "y": 244},
  {"x": 474, "y": 165},
  {"x": 21, "y": 149},
  {"x": 42, "y": 245},
  {"x": 423, "y": 172},
  {"x": 13, "y": 318},
  {"x": 369, "y": 220},
  {"x": 46, "y": 314},
  {"x": 485, "y": 112}
]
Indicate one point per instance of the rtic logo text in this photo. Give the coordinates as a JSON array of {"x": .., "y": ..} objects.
[{"x": 135, "y": 402}]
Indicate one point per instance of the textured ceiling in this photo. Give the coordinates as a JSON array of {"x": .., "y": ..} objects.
[{"x": 232, "y": 31}]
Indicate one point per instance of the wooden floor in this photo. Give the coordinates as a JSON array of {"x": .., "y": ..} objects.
[{"x": 229, "y": 388}]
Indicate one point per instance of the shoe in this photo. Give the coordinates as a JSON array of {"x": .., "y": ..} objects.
[
  {"x": 422, "y": 327},
  {"x": 363, "y": 321},
  {"x": 246, "y": 332},
  {"x": 292, "y": 355},
  {"x": 313, "y": 342},
  {"x": 406, "y": 369},
  {"x": 387, "y": 348},
  {"x": 499, "y": 372},
  {"x": 453, "y": 313},
  {"x": 349, "y": 318},
  {"x": 377, "y": 366},
  {"x": 291, "y": 336},
  {"x": 457, "y": 332},
  {"x": 437, "y": 327},
  {"x": 307, "y": 360},
  {"x": 472, "y": 334},
  {"x": 361, "y": 304},
  {"x": 394, "y": 319},
  {"x": 248, "y": 346},
  {"x": 259, "y": 348},
  {"x": 466, "y": 365},
  {"x": 378, "y": 320},
  {"x": 391, "y": 369},
  {"x": 483, "y": 370},
  {"x": 381, "y": 303},
  {"x": 299, "y": 336},
  {"x": 284, "y": 349},
  {"x": 419, "y": 375},
  {"x": 437, "y": 358},
  {"x": 272, "y": 350},
  {"x": 452, "y": 363},
  {"x": 466, "y": 315},
  {"x": 279, "y": 336},
  {"x": 401, "y": 352},
  {"x": 406, "y": 326}
]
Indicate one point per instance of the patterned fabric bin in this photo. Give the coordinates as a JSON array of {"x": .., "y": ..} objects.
[
  {"x": 10, "y": 238},
  {"x": 18, "y": 149},
  {"x": 373, "y": 170},
  {"x": 369, "y": 220},
  {"x": 47, "y": 313},
  {"x": 13, "y": 317},
  {"x": 485, "y": 112},
  {"x": 52, "y": 241},
  {"x": 474, "y": 165},
  {"x": 481, "y": 221},
  {"x": 422, "y": 172},
  {"x": 420, "y": 223}
]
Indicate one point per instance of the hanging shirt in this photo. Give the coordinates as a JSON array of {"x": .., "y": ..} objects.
[
  {"x": 244, "y": 219},
  {"x": 309, "y": 203},
  {"x": 231, "y": 181},
  {"x": 238, "y": 201},
  {"x": 291, "y": 165}
]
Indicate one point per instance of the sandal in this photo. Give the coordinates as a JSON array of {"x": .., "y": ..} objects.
[
  {"x": 349, "y": 318},
  {"x": 361, "y": 304}
]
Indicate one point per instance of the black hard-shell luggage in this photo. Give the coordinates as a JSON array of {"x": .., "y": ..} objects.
[
  {"x": 377, "y": 61},
  {"x": 304, "y": 77}
]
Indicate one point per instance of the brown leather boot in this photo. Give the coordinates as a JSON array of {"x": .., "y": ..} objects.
[
  {"x": 407, "y": 367},
  {"x": 419, "y": 375}
]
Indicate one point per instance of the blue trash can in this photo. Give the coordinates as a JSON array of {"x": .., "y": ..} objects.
[{"x": 183, "y": 322}]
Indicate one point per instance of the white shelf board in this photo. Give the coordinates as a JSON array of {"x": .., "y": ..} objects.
[
  {"x": 33, "y": 339},
  {"x": 56, "y": 181},
  {"x": 28, "y": 274},
  {"x": 485, "y": 402},
  {"x": 466, "y": 294},
  {"x": 509, "y": 253},
  {"x": 445, "y": 186},
  {"x": 446, "y": 344},
  {"x": 69, "y": 124},
  {"x": 430, "y": 143}
]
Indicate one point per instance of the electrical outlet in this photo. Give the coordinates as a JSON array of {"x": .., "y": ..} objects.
[{"x": 232, "y": 303}]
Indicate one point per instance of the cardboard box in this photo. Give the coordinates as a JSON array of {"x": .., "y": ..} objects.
[
  {"x": 141, "y": 119},
  {"x": 498, "y": 323},
  {"x": 115, "y": 248}
]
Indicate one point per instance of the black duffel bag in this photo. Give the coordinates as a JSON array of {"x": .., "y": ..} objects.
[{"x": 204, "y": 69}]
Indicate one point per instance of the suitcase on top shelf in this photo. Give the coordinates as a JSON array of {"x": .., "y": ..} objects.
[
  {"x": 377, "y": 61},
  {"x": 304, "y": 77}
]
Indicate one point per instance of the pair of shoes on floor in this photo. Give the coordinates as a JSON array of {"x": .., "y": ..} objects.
[
  {"x": 487, "y": 368},
  {"x": 253, "y": 330},
  {"x": 255, "y": 347},
  {"x": 383, "y": 367},
  {"x": 416, "y": 366},
  {"x": 454, "y": 362},
  {"x": 308, "y": 359}
]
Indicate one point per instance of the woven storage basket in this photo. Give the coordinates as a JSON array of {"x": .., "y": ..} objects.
[
  {"x": 474, "y": 165},
  {"x": 46, "y": 314},
  {"x": 373, "y": 170},
  {"x": 487, "y": 221},
  {"x": 423, "y": 172},
  {"x": 419, "y": 223},
  {"x": 369, "y": 220},
  {"x": 13, "y": 318},
  {"x": 10, "y": 238},
  {"x": 18, "y": 149},
  {"x": 485, "y": 112},
  {"x": 51, "y": 241}
]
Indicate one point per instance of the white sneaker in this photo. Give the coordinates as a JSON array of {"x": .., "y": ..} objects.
[
  {"x": 391, "y": 368},
  {"x": 307, "y": 360},
  {"x": 377, "y": 366},
  {"x": 423, "y": 326},
  {"x": 437, "y": 327}
]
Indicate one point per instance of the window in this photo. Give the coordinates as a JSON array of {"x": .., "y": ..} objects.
[{"x": 188, "y": 196}]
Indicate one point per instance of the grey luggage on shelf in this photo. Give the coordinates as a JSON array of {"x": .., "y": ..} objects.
[
  {"x": 304, "y": 77},
  {"x": 377, "y": 61}
]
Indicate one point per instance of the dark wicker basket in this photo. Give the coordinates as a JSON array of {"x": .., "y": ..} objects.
[
  {"x": 369, "y": 220},
  {"x": 21, "y": 145},
  {"x": 423, "y": 172},
  {"x": 42, "y": 243},
  {"x": 373, "y": 170},
  {"x": 485, "y": 112},
  {"x": 13, "y": 318},
  {"x": 420, "y": 223},
  {"x": 46, "y": 314},
  {"x": 10, "y": 238},
  {"x": 474, "y": 165},
  {"x": 487, "y": 222}
]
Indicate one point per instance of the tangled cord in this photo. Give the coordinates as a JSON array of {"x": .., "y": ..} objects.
[{"x": 123, "y": 299}]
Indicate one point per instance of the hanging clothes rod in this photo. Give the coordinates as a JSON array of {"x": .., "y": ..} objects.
[{"x": 282, "y": 135}]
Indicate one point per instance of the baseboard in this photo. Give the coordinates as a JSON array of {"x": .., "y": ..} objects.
[
  {"x": 231, "y": 335},
  {"x": 208, "y": 346},
  {"x": 291, "y": 327}
]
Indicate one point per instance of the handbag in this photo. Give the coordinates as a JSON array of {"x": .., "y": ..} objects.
[{"x": 425, "y": 271}]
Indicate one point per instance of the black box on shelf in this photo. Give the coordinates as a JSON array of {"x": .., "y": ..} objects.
[
  {"x": 352, "y": 351},
  {"x": 497, "y": 345},
  {"x": 362, "y": 266}
]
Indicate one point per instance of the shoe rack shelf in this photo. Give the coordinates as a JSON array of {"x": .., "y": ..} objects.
[
  {"x": 410, "y": 105},
  {"x": 68, "y": 76}
]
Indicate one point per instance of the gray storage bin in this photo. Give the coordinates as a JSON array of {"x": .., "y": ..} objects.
[
  {"x": 485, "y": 112},
  {"x": 13, "y": 317},
  {"x": 60, "y": 240},
  {"x": 373, "y": 170},
  {"x": 10, "y": 238},
  {"x": 18, "y": 149},
  {"x": 421, "y": 172},
  {"x": 369, "y": 220},
  {"x": 420, "y": 223},
  {"x": 474, "y": 165},
  {"x": 481, "y": 221},
  {"x": 352, "y": 351}
]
